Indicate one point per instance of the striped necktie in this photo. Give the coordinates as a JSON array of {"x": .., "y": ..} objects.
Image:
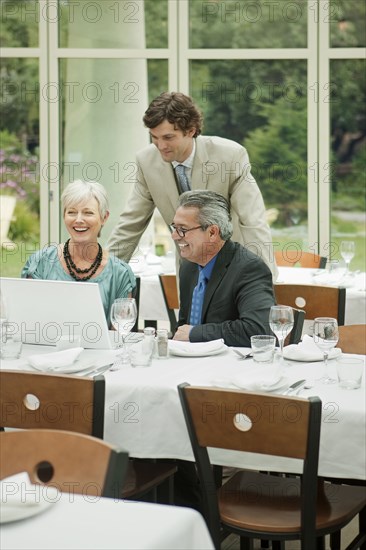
[
  {"x": 197, "y": 300},
  {"x": 180, "y": 170}
]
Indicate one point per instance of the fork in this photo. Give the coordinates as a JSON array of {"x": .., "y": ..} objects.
[{"x": 243, "y": 355}]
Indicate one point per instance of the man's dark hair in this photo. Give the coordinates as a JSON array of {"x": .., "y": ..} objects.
[{"x": 176, "y": 108}]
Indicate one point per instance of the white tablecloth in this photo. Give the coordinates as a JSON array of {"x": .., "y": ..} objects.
[
  {"x": 143, "y": 413},
  {"x": 152, "y": 304},
  {"x": 75, "y": 521}
]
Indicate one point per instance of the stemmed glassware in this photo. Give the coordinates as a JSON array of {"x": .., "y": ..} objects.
[
  {"x": 145, "y": 247},
  {"x": 326, "y": 337},
  {"x": 281, "y": 321},
  {"x": 347, "y": 253},
  {"x": 123, "y": 318}
]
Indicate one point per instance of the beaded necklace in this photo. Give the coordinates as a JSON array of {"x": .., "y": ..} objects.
[{"x": 72, "y": 267}]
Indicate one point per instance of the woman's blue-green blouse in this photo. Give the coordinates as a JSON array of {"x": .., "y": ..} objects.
[{"x": 115, "y": 281}]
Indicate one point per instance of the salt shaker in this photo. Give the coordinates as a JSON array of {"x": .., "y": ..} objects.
[
  {"x": 149, "y": 336},
  {"x": 162, "y": 343}
]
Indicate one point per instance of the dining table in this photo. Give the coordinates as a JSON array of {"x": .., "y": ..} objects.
[
  {"x": 152, "y": 306},
  {"x": 143, "y": 412},
  {"x": 38, "y": 517}
]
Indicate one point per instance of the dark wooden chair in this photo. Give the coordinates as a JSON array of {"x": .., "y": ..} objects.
[
  {"x": 295, "y": 335},
  {"x": 260, "y": 506},
  {"x": 316, "y": 301},
  {"x": 352, "y": 339},
  {"x": 169, "y": 289},
  {"x": 63, "y": 402},
  {"x": 71, "y": 462},
  {"x": 290, "y": 258}
]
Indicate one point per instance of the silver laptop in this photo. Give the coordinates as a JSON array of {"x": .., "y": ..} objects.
[{"x": 43, "y": 311}]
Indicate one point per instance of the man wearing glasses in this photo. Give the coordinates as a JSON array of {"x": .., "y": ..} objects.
[
  {"x": 226, "y": 291},
  {"x": 179, "y": 159}
]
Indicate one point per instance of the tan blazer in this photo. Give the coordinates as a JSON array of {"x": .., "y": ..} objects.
[{"x": 220, "y": 165}]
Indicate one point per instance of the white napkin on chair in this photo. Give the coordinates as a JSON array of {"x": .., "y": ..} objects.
[
  {"x": 307, "y": 350},
  {"x": 55, "y": 359}
]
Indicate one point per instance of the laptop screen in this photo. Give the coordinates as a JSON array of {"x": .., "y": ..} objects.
[{"x": 43, "y": 311}]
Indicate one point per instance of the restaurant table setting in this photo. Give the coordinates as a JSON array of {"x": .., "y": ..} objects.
[
  {"x": 78, "y": 361},
  {"x": 143, "y": 409},
  {"x": 143, "y": 412},
  {"x": 39, "y": 517},
  {"x": 308, "y": 351}
]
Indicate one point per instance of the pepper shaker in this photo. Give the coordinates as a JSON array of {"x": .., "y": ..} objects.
[{"x": 162, "y": 343}]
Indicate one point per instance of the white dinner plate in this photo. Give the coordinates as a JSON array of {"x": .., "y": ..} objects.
[
  {"x": 35, "y": 502},
  {"x": 196, "y": 349},
  {"x": 260, "y": 385}
]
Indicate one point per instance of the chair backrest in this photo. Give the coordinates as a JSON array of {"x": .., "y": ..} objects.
[
  {"x": 253, "y": 422},
  {"x": 169, "y": 289},
  {"x": 316, "y": 301},
  {"x": 40, "y": 400},
  {"x": 352, "y": 339},
  {"x": 290, "y": 258},
  {"x": 295, "y": 335},
  {"x": 71, "y": 462}
]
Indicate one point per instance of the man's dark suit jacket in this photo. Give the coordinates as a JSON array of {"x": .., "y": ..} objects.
[{"x": 237, "y": 300}]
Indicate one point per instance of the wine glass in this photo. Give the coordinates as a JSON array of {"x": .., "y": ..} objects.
[
  {"x": 281, "y": 321},
  {"x": 145, "y": 247},
  {"x": 326, "y": 337},
  {"x": 123, "y": 318},
  {"x": 347, "y": 253}
]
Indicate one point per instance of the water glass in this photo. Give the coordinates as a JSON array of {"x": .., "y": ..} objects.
[
  {"x": 141, "y": 353},
  {"x": 263, "y": 347},
  {"x": 11, "y": 346},
  {"x": 349, "y": 372}
]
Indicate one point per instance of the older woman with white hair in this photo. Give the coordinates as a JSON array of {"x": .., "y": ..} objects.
[{"x": 81, "y": 257}]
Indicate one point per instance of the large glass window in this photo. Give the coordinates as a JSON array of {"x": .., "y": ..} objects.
[
  {"x": 348, "y": 153},
  {"x": 248, "y": 24},
  {"x": 103, "y": 102},
  {"x": 247, "y": 63},
  {"x": 263, "y": 106},
  {"x": 20, "y": 22},
  {"x": 19, "y": 137},
  {"x": 347, "y": 23},
  {"x": 113, "y": 24}
]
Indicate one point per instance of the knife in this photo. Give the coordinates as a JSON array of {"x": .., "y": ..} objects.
[{"x": 294, "y": 386}]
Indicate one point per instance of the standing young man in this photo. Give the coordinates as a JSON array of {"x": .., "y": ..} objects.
[{"x": 179, "y": 159}]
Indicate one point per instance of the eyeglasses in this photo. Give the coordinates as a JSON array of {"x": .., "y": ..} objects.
[{"x": 182, "y": 232}]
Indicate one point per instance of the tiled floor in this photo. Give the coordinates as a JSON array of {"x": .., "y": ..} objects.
[{"x": 348, "y": 533}]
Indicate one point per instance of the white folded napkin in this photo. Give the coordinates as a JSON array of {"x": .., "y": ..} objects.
[
  {"x": 196, "y": 349},
  {"x": 57, "y": 359},
  {"x": 307, "y": 350}
]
